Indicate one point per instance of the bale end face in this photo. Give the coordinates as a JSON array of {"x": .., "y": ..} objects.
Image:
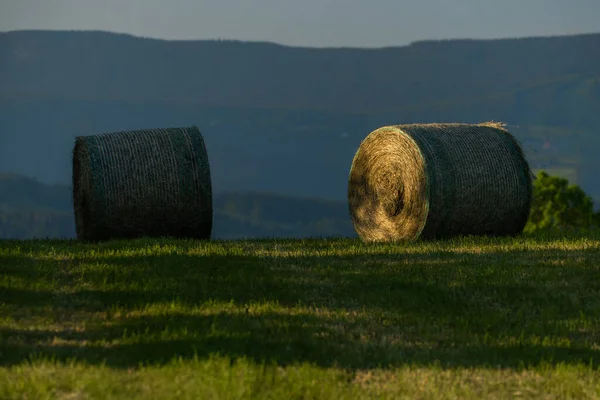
[
  {"x": 387, "y": 191},
  {"x": 83, "y": 191}
]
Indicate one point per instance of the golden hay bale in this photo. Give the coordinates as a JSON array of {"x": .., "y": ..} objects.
[
  {"x": 142, "y": 183},
  {"x": 439, "y": 180}
]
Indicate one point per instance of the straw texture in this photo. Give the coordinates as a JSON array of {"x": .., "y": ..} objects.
[
  {"x": 140, "y": 183},
  {"x": 439, "y": 180}
]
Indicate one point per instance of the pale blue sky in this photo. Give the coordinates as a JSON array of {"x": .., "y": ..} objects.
[{"x": 355, "y": 23}]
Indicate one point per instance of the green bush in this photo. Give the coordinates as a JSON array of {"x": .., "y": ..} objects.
[{"x": 558, "y": 205}]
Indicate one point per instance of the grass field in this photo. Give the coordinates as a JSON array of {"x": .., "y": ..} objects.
[{"x": 289, "y": 319}]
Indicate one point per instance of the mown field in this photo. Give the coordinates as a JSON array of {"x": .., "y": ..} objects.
[{"x": 286, "y": 319}]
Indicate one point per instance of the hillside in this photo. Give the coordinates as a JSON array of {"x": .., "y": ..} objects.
[
  {"x": 29, "y": 208},
  {"x": 288, "y": 120}
]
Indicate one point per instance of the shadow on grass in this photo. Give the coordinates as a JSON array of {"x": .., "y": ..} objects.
[
  {"x": 282, "y": 339},
  {"x": 362, "y": 311}
]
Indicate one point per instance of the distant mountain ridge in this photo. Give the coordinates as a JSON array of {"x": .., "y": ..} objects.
[
  {"x": 106, "y": 66},
  {"x": 275, "y": 43},
  {"x": 288, "y": 120}
]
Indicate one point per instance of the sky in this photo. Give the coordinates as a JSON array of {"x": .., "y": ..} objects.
[{"x": 312, "y": 23}]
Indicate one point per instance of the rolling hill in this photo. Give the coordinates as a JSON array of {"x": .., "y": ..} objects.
[
  {"x": 29, "y": 209},
  {"x": 288, "y": 120}
]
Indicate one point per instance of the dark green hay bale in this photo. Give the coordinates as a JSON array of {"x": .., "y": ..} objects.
[
  {"x": 143, "y": 183},
  {"x": 439, "y": 180}
]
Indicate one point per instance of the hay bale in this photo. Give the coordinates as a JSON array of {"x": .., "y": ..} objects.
[
  {"x": 439, "y": 180},
  {"x": 139, "y": 183}
]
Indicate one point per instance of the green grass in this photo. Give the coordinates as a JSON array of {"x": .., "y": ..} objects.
[{"x": 282, "y": 319}]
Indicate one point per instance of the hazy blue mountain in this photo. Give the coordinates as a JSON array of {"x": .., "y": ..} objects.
[
  {"x": 112, "y": 67},
  {"x": 288, "y": 120}
]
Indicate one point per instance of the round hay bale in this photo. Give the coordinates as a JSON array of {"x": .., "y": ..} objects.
[
  {"x": 439, "y": 180},
  {"x": 150, "y": 183}
]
